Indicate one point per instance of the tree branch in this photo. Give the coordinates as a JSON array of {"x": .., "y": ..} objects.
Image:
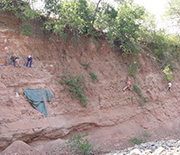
[{"x": 96, "y": 9}]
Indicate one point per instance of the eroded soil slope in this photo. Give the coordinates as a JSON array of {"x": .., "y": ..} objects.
[{"x": 111, "y": 116}]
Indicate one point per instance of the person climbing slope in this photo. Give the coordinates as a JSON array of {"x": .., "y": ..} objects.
[
  {"x": 29, "y": 61},
  {"x": 14, "y": 60},
  {"x": 127, "y": 86},
  {"x": 169, "y": 86},
  {"x": 17, "y": 61}
]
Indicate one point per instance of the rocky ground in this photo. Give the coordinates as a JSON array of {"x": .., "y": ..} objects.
[{"x": 151, "y": 148}]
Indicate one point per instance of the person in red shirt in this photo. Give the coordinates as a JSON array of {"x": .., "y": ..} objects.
[{"x": 127, "y": 86}]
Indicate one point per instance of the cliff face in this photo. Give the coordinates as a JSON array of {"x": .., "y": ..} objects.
[{"x": 111, "y": 116}]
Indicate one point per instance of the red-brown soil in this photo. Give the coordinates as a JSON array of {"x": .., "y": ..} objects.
[{"x": 111, "y": 116}]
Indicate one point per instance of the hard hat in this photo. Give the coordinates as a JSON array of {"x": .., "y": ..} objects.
[
  {"x": 29, "y": 56},
  {"x": 18, "y": 57}
]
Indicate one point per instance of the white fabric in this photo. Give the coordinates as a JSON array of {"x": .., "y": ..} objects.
[
  {"x": 17, "y": 95},
  {"x": 169, "y": 84}
]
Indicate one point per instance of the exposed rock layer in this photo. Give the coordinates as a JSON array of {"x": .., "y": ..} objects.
[{"x": 111, "y": 116}]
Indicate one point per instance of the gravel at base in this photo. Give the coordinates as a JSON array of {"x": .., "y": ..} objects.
[{"x": 167, "y": 145}]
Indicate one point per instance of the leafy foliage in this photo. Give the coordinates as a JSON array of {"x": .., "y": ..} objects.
[
  {"x": 122, "y": 25},
  {"x": 168, "y": 73},
  {"x": 22, "y": 10},
  {"x": 128, "y": 26},
  {"x": 141, "y": 99},
  {"x": 154, "y": 41},
  {"x": 79, "y": 17},
  {"x": 137, "y": 140},
  {"x": 26, "y": 30},
  {"x": 137, "y": 90},
  {"x": 140, "y": 139},
  {"x": 75, "y": 16},
  {"x": 165, "y": 47},
  {"x": 133, "y": 67},
  {"x": 75, "y": 86},
  {"x": 86, "y": 66},
  {"x": 12, "y": 6},
  {"x": 78, "y": 145},
  {"x": 93, "y": 76},
  {"x": 172, "y": 12}
]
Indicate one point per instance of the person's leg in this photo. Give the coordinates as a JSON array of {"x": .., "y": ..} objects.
[
  {"x": 14, "y": 63},
  {"x": 167, "y": 88},
  {"x": 11, "y": 61},
  {"x": 27, "y": 63},
  {"x": 30, "y": 63},
  {"x": 17, "y": 62},
  {"x": 125, "y": 88}
]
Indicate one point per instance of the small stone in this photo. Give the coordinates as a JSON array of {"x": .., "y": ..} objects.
[
  {"x": 146, "y": 152},
  {"x": 135, "y": 152},
  {"x": 159, "y": 151}
]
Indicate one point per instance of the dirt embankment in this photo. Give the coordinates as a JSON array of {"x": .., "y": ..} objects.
[{"x": 111, "y": 116}]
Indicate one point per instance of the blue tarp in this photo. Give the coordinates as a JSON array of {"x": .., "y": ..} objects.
[{"x": 37, "y": 97}]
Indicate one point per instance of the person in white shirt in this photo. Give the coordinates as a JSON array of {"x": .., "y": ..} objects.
[{"x": 169, "y": 86}]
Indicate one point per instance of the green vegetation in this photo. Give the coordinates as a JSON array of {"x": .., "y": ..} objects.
[
  {"x": 172, "y": 12},
  {"x": 137, "y": 140},
  {"x": 75, "y": 16},
  {"x": 137, "y": 90},
  {"x": 132, "y": 101},
  {"x": 163, "y": 46},
  {"x": 116, "y": 83},
  {"x": 86, "y": 66},
  {"x": 26, "y": 30},
  {"x": 79, "y": 17},
  {"x": 141, "y": 99},
  {"x": 93, "y": 76},
  {"x": 76, "y": 86},
  {"x": 168, "y": 73},
  {"x": 132, "y": 69},
  {"x": 79, "y": 145},
  {"x": 140, "y": 139},
  {"x": 128, "y": 28},
  {"x": 157, "y": 101},
  {"x": 22, "y": 10},
  {"x": 122, "y": 25}
]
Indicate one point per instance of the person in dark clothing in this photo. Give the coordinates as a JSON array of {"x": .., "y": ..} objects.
[
  {"x": 14, "y": 60},
  {"x": 29, "y": 61}
]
